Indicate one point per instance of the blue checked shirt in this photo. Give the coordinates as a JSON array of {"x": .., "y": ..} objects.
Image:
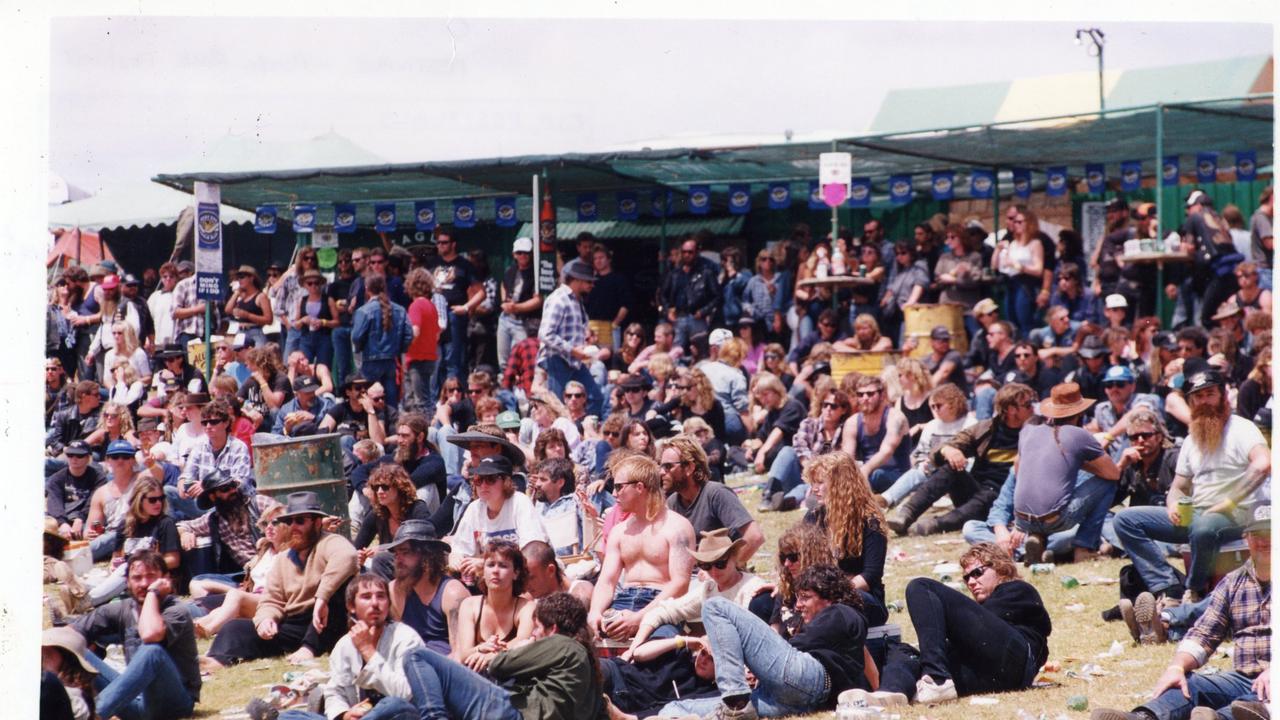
[
  {"x": 234, "y": 460},
  {"x": 1239, "y": 607},
  {"x": 564, "y": 326}
]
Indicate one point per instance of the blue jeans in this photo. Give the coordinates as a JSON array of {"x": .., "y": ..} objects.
[
  {"x": 882, "y": 478},
  {"x": 343, "y": 359},
  {"x": 978, "y": 531},
  {"x": 382, "y": 371},
  {"x": 179, "y": 507},
  {"x": 790, "y": 682},
  {"x": 444, "y": 689},
  {"x": 149, "y": 687},
  {"x": 560, "y": 372},
  {"x": 422, "y": 391},
  {"x": 451, "y": 454},
  {"x": 984, "y": 402},
  {"x": 317, "y": 345},
  {"x": 686, "y": 327},
  {"x": 388, "y": 708},
  {"x": 734, "y": 431},
  {"x": 510, "y": 332},
  {"x": 101, "y": 547},
  {"x": 902, "y": 487},
  {"x": 784, "y": 473},
  {"x": 1022, "y": 305},
  {"x": 633, "y": 597},
  {"x": 1141, "y": 530},
  {"x": 455, "y": 353},
  {"x": 1087, "y": 508},
  {"x": 1214, "y": 691}
]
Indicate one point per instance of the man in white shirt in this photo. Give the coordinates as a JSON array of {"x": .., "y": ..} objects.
[
  {"x": 497, "y": 513},
  {"x": 161, "y": 304}
]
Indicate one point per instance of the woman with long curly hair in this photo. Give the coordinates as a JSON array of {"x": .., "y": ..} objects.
[
  {"x": 854, "y": 522},
  {"x": 499, "y": 618},
  {"x": 267, "y": 387},
  {"x": 801, "y": 546},
  {"x": 694, "y": 397},
  {"x": 392, "y": 500}
]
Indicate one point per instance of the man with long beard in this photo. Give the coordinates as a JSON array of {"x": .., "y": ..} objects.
[
  {"x": 423, "y": 596},
  {"x": 304, "y": 609},
  {"x": 420, "y": 458},
  {"x": 232, "y": 527},
  {"x": 1223, "y": 463}
]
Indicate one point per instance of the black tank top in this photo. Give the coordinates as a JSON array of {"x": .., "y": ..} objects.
[
  {"x": 514, "y": 623},
  {"x": 250, "y": 306}
]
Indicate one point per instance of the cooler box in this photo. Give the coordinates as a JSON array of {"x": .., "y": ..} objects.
[
  {"x": 879, "y": 638},
  {"x": 1230, "y": 556}
]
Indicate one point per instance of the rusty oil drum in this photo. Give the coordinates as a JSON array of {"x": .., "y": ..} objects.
[{"x": 312, "y": 463}]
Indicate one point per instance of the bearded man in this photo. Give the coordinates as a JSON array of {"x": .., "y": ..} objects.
[
  {"x": 232, "y": 527},
  {"x": 420, "y": 458},
  {"x": 304, "y": 609},
  {"x": 423, "y": 595},
  {"x": 1223, "y": 463}
]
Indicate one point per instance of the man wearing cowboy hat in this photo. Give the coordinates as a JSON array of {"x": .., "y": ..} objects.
[
  {"x": 1051, "y": 493},
  {"x": 423, "y": 595},
  {"x": 1223, "y": 464},
  {"x": 57, "y": 699},
  {"x": 563, "y": 351},
  {"x": 1239, "y": 608},
  {"x": 232, "y": 526},
  {"x": 1231, "y": 317},
  {"x": 480, "y": 442},
  {"x": 498, "y": 513},
  {"x": 303, "y": 610},
  {"x": 161, "y": 678}
]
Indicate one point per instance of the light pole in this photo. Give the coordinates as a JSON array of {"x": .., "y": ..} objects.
[{"x": 1096, "y": 42}]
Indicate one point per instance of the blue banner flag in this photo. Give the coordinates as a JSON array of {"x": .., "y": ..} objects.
[
  {"x": 424, "y": 215},
  {"x": 739, "y": 199},
  {"x": 1056, "y": 183},
  {"x": 900, "y": 189},
  {"x": 628, "y": 206},
  {"x": 344, "y": 218},
  {"x": 1207, "y": 167},
  {"x": 504, "y": 211},
  {"x": 1169, "y": 170},
  {"x": 699, "y": 199},
  {"x": 859, "y": 192},
  {"x": 660, "y": 202},
  {"x": 264, "y": 219},
  {"x": 779, "y": 196},
  {"x": 384, "y": 217},
  {"x": 304, "y": 218},
  {"x": 588, "y": 208},
  {"x": 982, "y": 184},
  {"x": 1247, "y": 165},
  {"x": 943, "y": 185},
  {"x": 1022, "y": 182},
  {"x": 815, "y": 196},
  {"x": 1095, "y": 174},
  {"x": 464, "y": 213},
  {"x": 1130, "y": 175}
]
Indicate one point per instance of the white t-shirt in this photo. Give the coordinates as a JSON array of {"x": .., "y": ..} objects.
[
  {"x": 517, "y": 522},
  {"x": 1214, "y": 476},
  {"x": 161, "y": 306},
  {"x": 185, "y": 439}
]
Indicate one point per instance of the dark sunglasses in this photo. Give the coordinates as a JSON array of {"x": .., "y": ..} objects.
[
  {"x": 1114, "y": 384},
  {"x": 570, "y": 396},
  {"x": 379, "y": 488},
  {"x": 475, "y": 391},
  {"x": 668, "y": 466},
  {"x": 827, "y": 405},
  {"x": 1141, "y": 435},
  {"x": 212, "y": 421},
  {"x": 295, "y": 520},
  {"x": 720, "y": 564},
  {"x": 610, "y": 433},
  {"x": 487, "y": 480},
  {"x": 975, "y": 573},
  {"x": 153, "y": 498},
  {"x": 788, "y": 557}
]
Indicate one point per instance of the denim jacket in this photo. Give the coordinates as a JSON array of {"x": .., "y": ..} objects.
[{"x": 369, "y": 338}]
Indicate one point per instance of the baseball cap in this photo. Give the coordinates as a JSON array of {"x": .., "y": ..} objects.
[
  {"x": 1198, "y": 197},
  {"x": 77, "y": 447},
  {"x": 493, "y": 465},
  {"x": 940, "y": 333},
  {"x": 131, "y": 279},
  {"x": 1261, "y": 521},
  {"x": 305, "y": 383},
  {"x": 985, "y": 306},
  {"x": 508, "y": 420},
  {"x": 522, "y": 244},
  {"x": 718, "y": 337},
  {"x": 1118, "y": 373},
  {"x": 1116, "y": 300},
  {"x": 121, "y": 448},
  {"x": 111, "y": 282},
  {"x": 1117, "y": 204},
  {"x": 186, "y": 266}
]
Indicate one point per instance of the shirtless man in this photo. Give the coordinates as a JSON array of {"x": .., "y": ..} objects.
[
  {"x": 545, "y": 576},
  {"x": 876, "y": 436},
  {"x": 110, "y": 502},
  {"x": 652, "y": 546}
]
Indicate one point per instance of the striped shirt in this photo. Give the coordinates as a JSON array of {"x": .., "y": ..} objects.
[
  {"x": 564, "y": 326},
  {"x": 184, "y": 296},
  {"x": 1240, "y": 607}
]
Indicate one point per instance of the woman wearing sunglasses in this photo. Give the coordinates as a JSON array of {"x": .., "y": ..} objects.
[
  {"x": 392, "y": 500},
  {"x": 719, "y": 576},
  {"x": 220, "y": 604},
  {"x": 147, "y": 525},
  {"x": 994, "y": 642}
]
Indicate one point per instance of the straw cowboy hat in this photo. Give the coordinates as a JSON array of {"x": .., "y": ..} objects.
[
  {"x": 1065, "y": 401},
  {"x": 716, "y": 544},
  {"x": 68, "y": 639}
]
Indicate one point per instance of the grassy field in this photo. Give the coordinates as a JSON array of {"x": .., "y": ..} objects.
[{"x": 1079, "y": 637}]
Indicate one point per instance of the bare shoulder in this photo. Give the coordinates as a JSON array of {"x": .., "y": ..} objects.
[{"x": 677, "y": 529}]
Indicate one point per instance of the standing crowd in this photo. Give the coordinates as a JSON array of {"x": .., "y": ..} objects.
[{"x": 538, "y": 521}]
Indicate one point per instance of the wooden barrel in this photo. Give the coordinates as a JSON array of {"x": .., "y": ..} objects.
[
  {"x": 920, "y": 320},
  {"x": 865, "y": 362},
  {"x": 312, "y": 463},
  {"x": 604, "y": 332}
]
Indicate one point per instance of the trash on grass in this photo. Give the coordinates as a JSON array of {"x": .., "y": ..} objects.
[
  {"x": 1075, "y": 607},
  {"x": 1078, "y": 702},
  {"x": 981, "y": 700}
]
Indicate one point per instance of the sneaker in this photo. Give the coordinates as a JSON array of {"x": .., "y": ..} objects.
[
  {"x": 1130, "y": 619},
  {"x": 1033, "y": 550},
  {"x": 880, "y": 698},
  {"x": 1147, "y": 615},
  {"x": 1109, "y": 714},
  {"x": 1249, "y": 710},
  {"x": 724, "y": 712},
  {"x": 769, "y": 503},
  {"x": 259, "y": 709},
  {"x": 1049, "y": 558},
  {"x": 929, "y": 692}
]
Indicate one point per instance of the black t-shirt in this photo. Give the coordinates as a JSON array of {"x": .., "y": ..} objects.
[
  {"x": 1017, "y": 603},
  {"x": 992, "y": 468},
  {"x": 999, "y": 368},
  {"x": 835, "y": 637},
  {"x": 611, "y": 293},
  {"x": 66, "y": 496},
  {"x": 428, "y": 470},
  {"x": 340, "y": 289},
  {"x": 870, "y": 563},
  {"x": 642, "y": 688},
  {"x": 252, "y": 397},
  {"x": 453, "y": 278},
  {"x": 343, "y": 413},
  {"x": 163, "y": 532},
  {"x": 117, "y": 621},
  {"x": 786, "y": 418},
  {"x": 957, "y": 368}
]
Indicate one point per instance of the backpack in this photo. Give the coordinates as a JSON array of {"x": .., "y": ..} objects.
[{"x": 1132, "y": 585}]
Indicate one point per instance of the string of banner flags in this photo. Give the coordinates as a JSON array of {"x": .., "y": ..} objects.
[{"x": 982, "y": 185}]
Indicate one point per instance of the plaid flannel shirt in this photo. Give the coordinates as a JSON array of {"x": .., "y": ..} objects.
[
  {"x": 234, "y": 460},
  {"x": 1241, "y": 608},
  {"x": 184, "y": 296},
  {"x": 521, "y": 365},
  {"x": 564, "y": 326},
  {"x": 238, "y": 540}
]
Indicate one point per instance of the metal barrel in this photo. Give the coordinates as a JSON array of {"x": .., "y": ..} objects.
[
  {"x": 312, "y": 463},
  {"x": 920, "y": 320}
]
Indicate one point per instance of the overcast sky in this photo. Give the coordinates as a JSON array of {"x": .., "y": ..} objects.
[{"x": 132, "y": 96}]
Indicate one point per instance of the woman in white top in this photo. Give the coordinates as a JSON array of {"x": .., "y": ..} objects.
[
  {"x": 950, "y": 416},
  {"x": 242, "y": 601},
  {"x": 1021, "y": 260}
]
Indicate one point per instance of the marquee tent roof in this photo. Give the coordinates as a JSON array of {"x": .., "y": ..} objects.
[
  {"x": 131, "y": 205},
  {"x": 1226, "y": 125}
]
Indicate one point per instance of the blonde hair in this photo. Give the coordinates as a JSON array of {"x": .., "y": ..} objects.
[
  {"x": 637, "y": 467},
  {"x": 814, "y": 548},
  {"x": 914, "y": 370},
  {"x": 706, "y": 394},
  {"x": 128, "y": 340},
  {"x": 768, "y": 381},
  {"x": 661, "y": 366},
  {"x": 849, "y": 502},
  {"x": 732, "y": 352}
]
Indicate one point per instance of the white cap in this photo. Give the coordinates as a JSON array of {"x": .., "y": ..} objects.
[
  {"x": 1116, "y": 300},
  {"x": 718, "y": 337},
  {"x": 522, "y": 244}
]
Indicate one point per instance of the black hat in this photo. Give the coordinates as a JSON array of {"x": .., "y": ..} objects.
[
  {"x": 495, "y": 465},
  {"x": 633, "y": 382},
  {"x": 940, "y": 332},
  {"x": 196, "y": 398},
  {"x": 1093, "y": 347},
  {"x": 659, "y": 427},
  {"x": 303, "y": 503},
  {"x": 215, "y": 480},
  {"x": 169, "y": 351},
  {"x": 1117, "y": 204},
  {"x": 1164, "y": 340},
  {"x": 77, "y": 447},
  {"x": 148, "y": 423},
  {"x": 305, "y": 383},
  {"x": 1199, "y": 379},
  {"x": 578, "y": 270},
  {"x": 131, "y": 279},
  {"x": 509, "y": 450},
  {"x": 422, "y": 531}
]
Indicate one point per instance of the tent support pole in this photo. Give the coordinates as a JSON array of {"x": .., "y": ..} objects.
[
  {"x": 995, "y": 218},
  {"x": 1159, "y": 183}
]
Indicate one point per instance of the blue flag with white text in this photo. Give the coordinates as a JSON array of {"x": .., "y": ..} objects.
[
  {"x": 1207, "y": 167},
  {"x": 859, "y": 192},
  {"x": 588, "y": 207},
  {"x": 1247, "y": 165},
  {"x": 264, "y": 219},
  {"x": 464, "y": 213},
  {"x": 699, "y": 199},
  {"x": 982, "y": 184},
  {"x": 900, "y": 189},
  {"x": 304, "y": 218},
  {"x": 1022, "y": 182},
  {"x": 1169, "y": 170},
  {"x": 739, "y": 199},
  {"x": 384, "y": 217},
  {"x": 628, "y": 206}
]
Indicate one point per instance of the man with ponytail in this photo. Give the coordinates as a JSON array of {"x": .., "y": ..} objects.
[{"x": 381, "y": 333}]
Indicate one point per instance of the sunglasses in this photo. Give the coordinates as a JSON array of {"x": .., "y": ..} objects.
[
  {"x": 453, "y": 390},
  {"x": 772, "y": 356},
  {"x": 379, "y": 488},
  {"x": 571, "y": 396},
  {"x": 153, "y": 498},
  {"x": 829, "y": 405},
  {"x": 478, "y": 391},
  {"x": 975, "y": 573},
  {"x": 312, "y": 283},
  {"x": 377, "y": 262},
  {"x": 487, "y": 480},
  {"x": 1141, "y": 435},
  {"x": 720, "y": 564},
  {"x": 870, "y": 394},
  {"x": 787, "y": 557},
  {"x": 212, "y": 421},
  {"x": 610, "y": 433},
  {"x": 668, "y": 466},
  {"x": 296, "y": 520},
  {"x": 1114, "y": 384},
  {"x": 619, "y": 485}
]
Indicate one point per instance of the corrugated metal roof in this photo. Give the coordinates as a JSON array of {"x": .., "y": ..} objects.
[{"x": 625, "y": 230}]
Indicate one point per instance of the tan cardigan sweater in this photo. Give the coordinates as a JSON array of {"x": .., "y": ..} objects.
[{"x": 292, "y": 590}]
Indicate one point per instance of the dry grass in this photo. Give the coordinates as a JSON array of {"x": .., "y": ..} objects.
[{"x": 1078, "y": 637}]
